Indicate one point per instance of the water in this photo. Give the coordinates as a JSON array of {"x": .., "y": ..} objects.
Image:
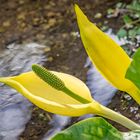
[{"x": 15, "y": 110}]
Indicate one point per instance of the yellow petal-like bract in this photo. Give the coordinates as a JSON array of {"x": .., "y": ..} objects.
[
  {"x": 108, "y": 57},
  {"x": 55, "y": 101},
  {"x": 48, "y": 98}
]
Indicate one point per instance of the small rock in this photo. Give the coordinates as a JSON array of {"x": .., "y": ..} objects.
[
  {"x": 21, "y": 1},
  {"x": 46, "y": 26},
  {"x": 133, "y": 109},
  {"x": 22, "y": 25},
  {"x": 75, "y": 34},
  {"x": 50, "y": 59},
  {"x": 57, "y": 55},
  {"x": 51, "y": 14},
  {"x": 64, "y": 35},
  {"x": 98, "y": 15},
  {"x": 52, "y": 22},
  {"x": 47, "y": 49},
  {"x": 6, "y": 23},
  {"x": 40, "y": 36},
  {"x": 21, "y": 16},
  {"x": 65, "y": 68},
  {"x": 127, "y": 97},
  {"x": 2, "y": 29},
  {"x": 36, "y": 21}
]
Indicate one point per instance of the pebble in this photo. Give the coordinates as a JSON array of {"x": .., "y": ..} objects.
[
  {"x": 6, "y": 23},
  {"x": 98, "y": 15}
]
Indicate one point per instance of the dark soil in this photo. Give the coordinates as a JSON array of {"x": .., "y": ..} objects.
[{"x": 53, "y": 23}]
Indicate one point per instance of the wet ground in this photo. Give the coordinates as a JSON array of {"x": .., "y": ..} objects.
[{"x": 53, "y": 23}]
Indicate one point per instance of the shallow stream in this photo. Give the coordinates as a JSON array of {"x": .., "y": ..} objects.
[{"x": 15, "y": 110}]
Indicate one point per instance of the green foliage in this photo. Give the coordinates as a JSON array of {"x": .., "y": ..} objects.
[
  {"x": 122, "y": 33},
  {"x": 90, "y": 129},
  {"x": 127, "y": 20},
  {"x": 95, "y": 129},
  {"x": 131, "y": 18},
  {"x": 135, "y": 6},
  {"x": 133, "y": 72}
]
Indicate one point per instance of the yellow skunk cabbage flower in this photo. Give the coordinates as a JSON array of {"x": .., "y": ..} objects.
[
  {"x": 62, "y": 94},
  {"x": 48, "y": 98},
  {"x": 108, "y": 57}
]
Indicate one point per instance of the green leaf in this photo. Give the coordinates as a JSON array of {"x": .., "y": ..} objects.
[
  {"x": 122, "y": 33},
  {"x": 133, "y": 72},
  {"x": 90, "y": 129},
  {"x": 132, "y": 33},
  {"x": 127, "y": 19},
  {"x": 138, "y": 31},
  {"x": 132, "y": 135},
  {"x": 119, "y": 5},
  {"x": 135, "y": 5}
]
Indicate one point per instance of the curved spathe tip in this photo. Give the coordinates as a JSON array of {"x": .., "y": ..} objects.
[{"x": 81, "y": 17}]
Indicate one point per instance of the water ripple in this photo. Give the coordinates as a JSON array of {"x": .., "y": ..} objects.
[{"x": 15, "y": 110}]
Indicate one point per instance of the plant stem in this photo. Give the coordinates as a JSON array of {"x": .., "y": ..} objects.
[
  {"x": 131, "y": 23},
  {"x": 75, "y": 96},
  {"x": 112, "y": 115}
]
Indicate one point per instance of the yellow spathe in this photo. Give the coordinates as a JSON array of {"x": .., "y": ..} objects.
[
  {"x": 108, "y": 57},
  {"x": 48, "y": 98},
  {"x": 52, "y": 100}
]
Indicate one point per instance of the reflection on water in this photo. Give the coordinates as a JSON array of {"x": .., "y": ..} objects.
[{"x": 15, "y": 110}]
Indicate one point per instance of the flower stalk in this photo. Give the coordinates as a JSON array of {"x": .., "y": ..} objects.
[
  {"x": 114, "y": 116},
  {"x": 95, "y": 107}
]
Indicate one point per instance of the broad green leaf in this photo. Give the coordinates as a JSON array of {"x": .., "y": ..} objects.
[
  {"x": 132, "y": 33},
  {"x": 132, "y": 135},
  {"x": 135, "y": 5},
  {"x": 133, "y": 72},
  {"x": 90, "y": 129},
  {"x": 122, "y": 33},
  {"x": 127, "y": 19},
  {"x": 138, "y": 31}
]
